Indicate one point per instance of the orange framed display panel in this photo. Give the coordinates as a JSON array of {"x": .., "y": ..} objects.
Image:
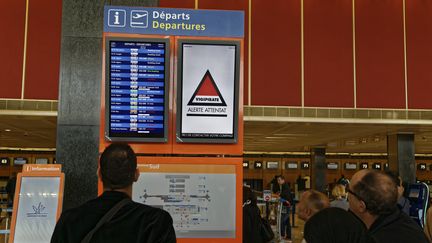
[
  {"x": 139, "y": 147},
  {"x": 237, "y": 162},
  {"x": 172, "y": 146},
  {"x": 209, "y": 148},
  {"x": 32, "y": 173}
]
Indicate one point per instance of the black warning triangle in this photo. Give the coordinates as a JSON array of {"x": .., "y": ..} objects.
[{"x": 207, "y": 93}]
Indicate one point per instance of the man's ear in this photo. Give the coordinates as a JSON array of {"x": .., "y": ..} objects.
[
  {"x": 137, "y": 174},
  {"x": 362, "y": 207},
  {"x": 308, "y": 212}
]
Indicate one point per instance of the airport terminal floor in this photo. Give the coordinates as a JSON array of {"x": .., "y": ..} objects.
[{"x": 245, "y": 117}]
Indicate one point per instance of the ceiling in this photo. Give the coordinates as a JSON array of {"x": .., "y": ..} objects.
[
  {"x": 335, "y": 137},
  {"x": 19, "y": 131},
  {"x": 260, "y": 136}
]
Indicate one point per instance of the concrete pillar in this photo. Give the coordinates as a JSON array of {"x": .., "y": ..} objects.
[
  {"x": 319, "y": 168},
  {"x": 401, "y": 156},
  {"x": 79, "y": 95}
]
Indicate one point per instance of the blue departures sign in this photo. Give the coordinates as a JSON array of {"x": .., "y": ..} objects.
[{"x": 167, "y": 21}]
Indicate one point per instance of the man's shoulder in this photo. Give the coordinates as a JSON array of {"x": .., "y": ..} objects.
[
  {"x": 333, "y": 213},
  {"x": 150, "y": 210},
  {"x": 334, "y": 225},
  {"x": 400, "y": 229},
  {"x": 83, "y": 209},
  {"x": 334, "y": 217}
]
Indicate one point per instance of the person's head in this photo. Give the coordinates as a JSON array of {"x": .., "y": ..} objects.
[
  {"x": 249, "y": 195},
  {"x": 311, "y": 202},
  {"x": 281, "y": 179},
  {"x": 339, "y": 191},
  {"x": 370, "y": 194},
  {"x": 397, "y": 180},
  {"x": 118, "y": 167}
]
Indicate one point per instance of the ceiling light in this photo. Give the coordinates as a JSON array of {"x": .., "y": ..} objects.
[{"x": 7, "y": 130}]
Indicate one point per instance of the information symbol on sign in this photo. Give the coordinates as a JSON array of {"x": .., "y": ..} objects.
[
  {"x": 139, "y": 19},
  {"x": 116, "y": 18}
]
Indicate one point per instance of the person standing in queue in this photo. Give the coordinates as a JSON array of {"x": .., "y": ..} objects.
[
  {"x": 113, "y": 216},
  {"x": 286, "y": 199},
  {"x": 340, "y": 200},
  {"x": 251, "y": 218},
  {"x": 372, "y": 196},
  {"x": 10, "y": 189}
]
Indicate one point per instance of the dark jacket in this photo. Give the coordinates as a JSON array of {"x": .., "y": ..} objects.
[
  {"x": 404, "y": 205},
  {"x": 396, "y": 227},
  {"x": 334, "y": 225},
  {"x": 285, "y": 192},
  {"x": 251, "y": 224},
  {"x": 135, "y": 222}
]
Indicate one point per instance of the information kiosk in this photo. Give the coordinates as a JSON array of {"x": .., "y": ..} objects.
[
  {"x": 172, "y": 87},
  {"x": 37, "y": 203}
]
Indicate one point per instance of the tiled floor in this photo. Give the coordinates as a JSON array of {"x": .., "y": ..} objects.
[{"x": 297, "y": 232}]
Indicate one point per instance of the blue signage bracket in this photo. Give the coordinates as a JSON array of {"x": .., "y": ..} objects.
[{"x": 179, "y": 22}]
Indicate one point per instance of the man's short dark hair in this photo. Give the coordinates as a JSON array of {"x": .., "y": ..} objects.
[
  {"x": 281, "y": 177},
  {"x": 378, "y": 191},
  {"x": 394, "y": 176},
  {"x": 118, "y": 164}
]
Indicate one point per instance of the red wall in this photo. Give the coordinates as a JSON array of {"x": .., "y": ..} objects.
[
  {"x": 43, "y": 49},
  {"x": 177, "y": 4},
  {"x": 11, "y": 47},
  {"x": 276, "y": 66},
  {"x": 419, "y": 53},
  {"x": 380, "y": 54},
  {"x": 328, "y": 49},
  {"x": 276, "y": 51}
]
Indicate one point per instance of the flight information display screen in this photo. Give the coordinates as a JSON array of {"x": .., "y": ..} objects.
[{"x": 136, "y": 90}]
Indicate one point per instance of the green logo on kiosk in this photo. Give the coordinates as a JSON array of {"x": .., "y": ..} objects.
[{"x": 207, "y": 100}]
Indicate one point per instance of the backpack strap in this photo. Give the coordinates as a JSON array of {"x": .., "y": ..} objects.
[{"x": 106, "y": 218}]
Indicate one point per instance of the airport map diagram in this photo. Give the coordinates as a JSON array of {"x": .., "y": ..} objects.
[{"x": 196, "y": 202}]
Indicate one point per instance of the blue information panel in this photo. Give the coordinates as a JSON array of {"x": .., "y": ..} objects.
[
  {"x": 173, "y": 21},
  {"x": 136, "y": 85}
]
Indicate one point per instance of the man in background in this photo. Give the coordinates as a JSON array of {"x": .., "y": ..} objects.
[
  {"x": 286, "y": 199},
  {"x": 324, "y": 224},
  {"x": 113, "y": 216},
  {"x": 373, "y": 196},
  {"x": 10, "y": 189}
]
